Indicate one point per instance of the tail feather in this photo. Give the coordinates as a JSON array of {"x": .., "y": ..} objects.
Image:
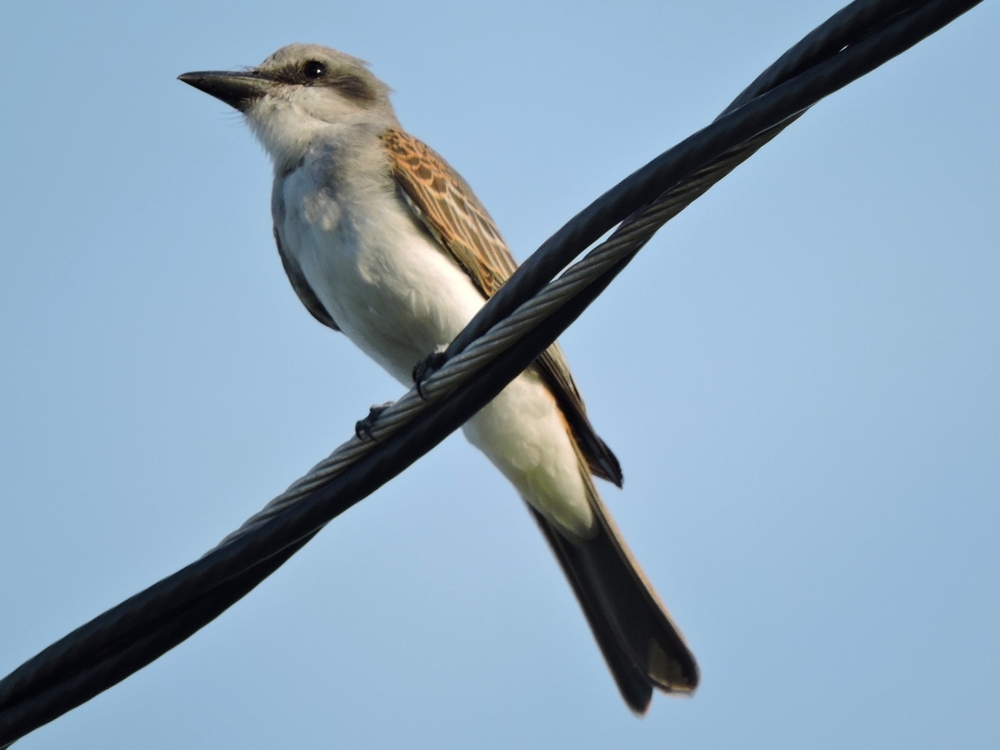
[
  {"x": 637, "y": 637},
  {"x": 632, "y": 683}
]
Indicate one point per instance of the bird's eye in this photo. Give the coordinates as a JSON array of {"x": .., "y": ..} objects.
[{"x": 313, "y": 70}]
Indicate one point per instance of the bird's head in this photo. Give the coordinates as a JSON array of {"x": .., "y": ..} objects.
[{"x": 298, "y": 93}]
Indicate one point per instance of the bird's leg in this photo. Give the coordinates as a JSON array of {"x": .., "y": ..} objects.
[
  {"x": 363, "y": 427},
  {"x": 427, "y": 367}
]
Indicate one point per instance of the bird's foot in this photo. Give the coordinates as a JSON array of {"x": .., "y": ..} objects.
[
  {"x": 427, "y": 367},
  {"x": 363, "y": 427}
]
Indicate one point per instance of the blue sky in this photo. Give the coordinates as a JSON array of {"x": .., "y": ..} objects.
[{"x": 799, "y": 374}]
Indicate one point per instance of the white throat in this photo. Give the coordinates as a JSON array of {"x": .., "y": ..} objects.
[{"x": 288, "y": 123}]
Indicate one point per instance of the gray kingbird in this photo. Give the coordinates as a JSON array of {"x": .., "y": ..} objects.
[{"x": 383, "y": 241}]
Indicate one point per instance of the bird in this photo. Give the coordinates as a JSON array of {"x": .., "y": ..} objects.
[{"x": 383, "y": 241}]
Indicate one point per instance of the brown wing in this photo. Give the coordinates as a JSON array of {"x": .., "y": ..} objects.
[{"x": 450, "y": 211}]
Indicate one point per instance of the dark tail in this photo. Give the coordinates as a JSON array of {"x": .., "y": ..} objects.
[{"x": 639, "y": 641}]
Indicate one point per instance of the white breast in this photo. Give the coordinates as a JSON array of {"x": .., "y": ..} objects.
[
  {"x": 397, "y": 295},
  {"x": 388, "y": 286}
]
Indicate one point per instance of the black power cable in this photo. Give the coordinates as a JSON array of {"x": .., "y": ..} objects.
[{"x": 854, "y": 41}]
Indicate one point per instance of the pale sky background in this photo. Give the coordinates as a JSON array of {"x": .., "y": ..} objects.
[{"x": 800, "y": 375}]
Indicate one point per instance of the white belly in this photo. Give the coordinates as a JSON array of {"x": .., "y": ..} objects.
[{"x": 398, "y": 296}]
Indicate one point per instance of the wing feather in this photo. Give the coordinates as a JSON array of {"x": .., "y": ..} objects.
[
  {"x": 302, "y": 289},
  {"x": 452, "y": 214}
]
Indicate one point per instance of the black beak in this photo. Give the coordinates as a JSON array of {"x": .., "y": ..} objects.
[{"x": 239, "y": 90}]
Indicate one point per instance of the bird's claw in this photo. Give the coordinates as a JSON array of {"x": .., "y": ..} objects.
[
  {"x": 427, "y": 367},
  {"x": 363, "y": 427}
]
